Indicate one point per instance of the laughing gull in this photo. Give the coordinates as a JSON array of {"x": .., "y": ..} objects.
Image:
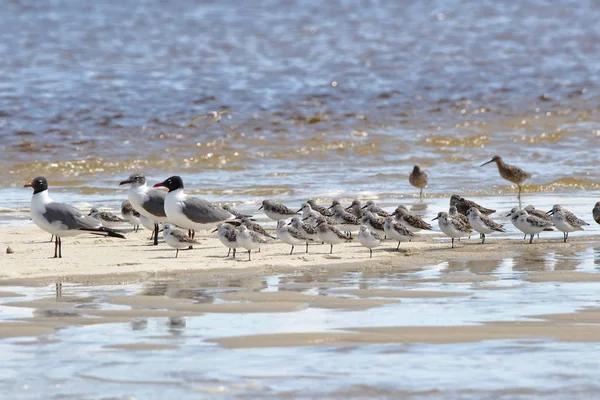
[
  {"x": 190, "y": 212},
  {"x": 61, "y": 219},
  {"x": 148, "y": 202}
]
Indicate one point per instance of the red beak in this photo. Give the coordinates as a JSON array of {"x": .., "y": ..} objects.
[
  {"x": 161, "y": 184},
  {"x": 28, "y": 185}
]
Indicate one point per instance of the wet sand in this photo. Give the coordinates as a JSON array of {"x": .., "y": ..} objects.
[{"x": 93, "y": 260}]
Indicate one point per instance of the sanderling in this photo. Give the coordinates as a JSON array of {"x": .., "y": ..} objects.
[
  {"x": 308, "y": 230},
  {"x": 106, "y": 218},
  {"x": 453, "y": 212},
  {"x": 540, "y": 214},
  {"x": 130, "y": 215},
  {"x": 320, "y": 209},
  {"x": 396, "y": 230},
  {"x": 482, "y": 223},
  {"x": 276, "y": 211},
  {"x": 251, "y": 240},
  {"x": 60, "y": 219},
  {"x": 290, "y": 235},
  {"x": 330, "y": 234},
  {"x": 371, "y": 206},
  {"x": 509, "y": 172},
  {"x": 214, "y": 116},
  {"x": 596, "y": 212},
  {"x": 418, "y": 178},
  {"x": 463, "y": 205},
  {"x": 355, "y": 208},
  {"x": 235, "y": 212},
  {"x": 452, "y": 227},
  {"x": 310, "y": 216},
  {"x": 252, "y": 225},
  {"x": 368, "y": 239},
  {"x": 565, "y": 221},
  {"x": 344, "y": 219},
  {"x": 177, "y": 238},
  {"x": 374, "y": 222},
  {"x": 227, "y": 234},
  {"x": 528, "y": 224},
  {"x": 410, "y": 220}
]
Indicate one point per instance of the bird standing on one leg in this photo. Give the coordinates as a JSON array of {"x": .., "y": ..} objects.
[{"x": 509, "y": 172}]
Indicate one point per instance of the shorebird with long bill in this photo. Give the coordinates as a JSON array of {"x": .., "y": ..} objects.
[{"x": 511, "y": 173}]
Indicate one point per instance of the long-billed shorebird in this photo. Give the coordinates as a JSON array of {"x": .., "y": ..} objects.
[
  {"x": 276, "y": 211},
  {"x": 418, "y": 178},
  {"x": 410, "y": 220},
  {"x": 395, "y": 230},
  {"x": 528, "y": 224},
  {"x": 462, "y": 205},
  {"x": 368, "y": 239},
  {"x": 565, "y": 221},
  {"x": 596, "y": 212},
  {"x": 511, "y": 173},
  {"x": 482, "y": 223},
  {"x": 452, "y": 227}
]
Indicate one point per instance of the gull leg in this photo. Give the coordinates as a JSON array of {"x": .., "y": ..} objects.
[{"x": 156, "y": 234}]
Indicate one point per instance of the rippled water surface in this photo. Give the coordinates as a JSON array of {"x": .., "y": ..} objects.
[{"x": 327, "y": 99}]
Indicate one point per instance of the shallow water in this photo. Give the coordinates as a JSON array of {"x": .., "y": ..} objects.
[
  {"x": 327, "y": 100},
  {"x": 75, "y": 362}
]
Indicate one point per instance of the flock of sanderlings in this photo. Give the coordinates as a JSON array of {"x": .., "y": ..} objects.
[{"x": 332, "y": 225}]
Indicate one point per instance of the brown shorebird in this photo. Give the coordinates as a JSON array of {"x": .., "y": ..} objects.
[
  {"x": 418, "y": 179},
  {"x": 463, "y": 205},
  {"x": 596, "y": 212},
  {"x": 509, "y": 172}
]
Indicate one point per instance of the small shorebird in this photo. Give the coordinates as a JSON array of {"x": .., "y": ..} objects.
[
  {"x": 330, "y": 234},
  {"x": 148, "y": 202},
  {"x": 235, "y": 212},
  {"x": 214, "y": 116},
  {"x": 374, "y": 222},
  {"x": 540, "y": 214},
  {"x": 227, "y": 234},
  {"x": 596, "y": 212},
  {"x": 130, "y": 215},
  {"x": 452, "y": 227},
  {"x": 59, "y": 219},
  {"x": 482, "y": 223},
  {"x": 344, "y": 219},
  {"x": 453, "y": 212},
  {"x": 176, "y": 238},
  {"x": 251, "y": 240},
  {"x": 320, "y": 209},
  {"x": 410, "y": 220},
  {"x": 418, "y": 178},
  {"x": 368, "y": 239},
  {"x": 528, "y": 224},
  {"x": 565, "y": 221},
  {"x": 308, "y": 230},
  {"x": 310, "y": 216},
  {"x": 290, "y": 235},
  {"x": 371, "y": 206},
  {"x": 355, "y": 208},
  {"x": 276, "y": 211},
  {"x": 463, "y": 205},
  {"x": 395, "y": 230},
  {"x": 106, "y": 218},
  {"x": 509, "y": 172}
]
